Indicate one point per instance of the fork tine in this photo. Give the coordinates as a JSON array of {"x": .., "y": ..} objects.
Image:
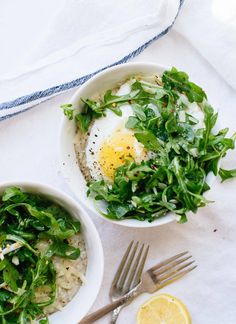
[
  {"x": 140, "y": 268},
  {"x": 136, "y": 271},
  {"x": 163, "y": 263},
  {"x": 169, "y": 273},
  {"x": 175, "y": 277},
  {"x": 127, "y": 267},
  {"x": 126, "y": 288},
  {"x": 170, "y": 266},
  {"x": 121, "y": 266}
]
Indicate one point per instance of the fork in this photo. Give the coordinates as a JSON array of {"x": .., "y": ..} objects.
[
  {"x": 152, "y": 280},
  {"x": 131, "y": 262}
]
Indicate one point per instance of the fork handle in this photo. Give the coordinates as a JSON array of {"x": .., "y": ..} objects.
[
  {"x": 110, "y": 307},
  {"x": 115, "y": 315}
]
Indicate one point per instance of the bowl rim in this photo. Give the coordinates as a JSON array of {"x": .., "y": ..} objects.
[
  {"x": 89, "y": 225},
  {"x": 170, "y": 216},
  {"x": 113, "y": 69}
]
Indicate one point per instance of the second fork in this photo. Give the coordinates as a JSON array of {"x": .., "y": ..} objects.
[{"x": 132, "y": 263}]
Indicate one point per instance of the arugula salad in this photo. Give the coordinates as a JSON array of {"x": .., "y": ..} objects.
[
  {"x": 26, "y": 270},
  {"x": 146, "y": 151}
]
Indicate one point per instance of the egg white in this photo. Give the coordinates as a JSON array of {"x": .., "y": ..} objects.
[{"x": 103, "y": 128}]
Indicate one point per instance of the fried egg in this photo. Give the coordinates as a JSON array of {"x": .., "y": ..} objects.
[{"x": 110, "y": 143}]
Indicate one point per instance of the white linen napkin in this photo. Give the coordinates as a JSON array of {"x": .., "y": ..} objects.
[{"x": 57, "y": 47}]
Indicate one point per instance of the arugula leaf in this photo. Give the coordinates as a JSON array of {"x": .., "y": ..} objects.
[
  {"x": 149, "y": 140},
  {"x": 47, "y": 219},
  {"x": 68, "y": 111},
  {"x": 110, "y": 102},
  {"x": 183, "y": 219},
  {"x": 13, "y": 194},
  {"x": 209, "y": 119},
  {"x": 84, "y": 120},
  {"x": 138, "y": 172},
  {"x": 117, "y": 211},
  {"x": 101, "y": 190},
  {"x": 16, "y": 238},
  {"x": 61, "y": 249},
  {"x": 132, "y": 122},
  {"x": 10, "y": 276},
  {"x": 3, "y": 264},
  {"x": 179, "y": 81},
  {"x": 5, "y": 295},
  {"x": 227, "y": 174},
  {"x": 139, "y": 112},
  {"x": 21, "y": 234},
  {"x": 171, "y": 125}
]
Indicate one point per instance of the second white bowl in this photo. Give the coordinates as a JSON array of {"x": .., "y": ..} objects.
[{"x": 80, "y": 304}]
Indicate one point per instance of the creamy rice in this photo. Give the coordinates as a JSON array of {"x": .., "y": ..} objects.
[{"x": 69, "y": 278}]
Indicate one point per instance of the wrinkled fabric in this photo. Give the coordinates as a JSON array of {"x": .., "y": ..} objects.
[{"x": 73, "y": 39}]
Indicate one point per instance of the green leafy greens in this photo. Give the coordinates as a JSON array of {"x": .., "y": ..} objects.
[
  {"x": 227, "y": 174},
  {"x": 174, "y": 178},
  {"x": 25, "y": 220}
]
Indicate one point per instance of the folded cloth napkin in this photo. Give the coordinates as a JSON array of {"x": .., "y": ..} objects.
[
  {"x": 50, "y": 48},
  {"x": 57, "y": 45}
]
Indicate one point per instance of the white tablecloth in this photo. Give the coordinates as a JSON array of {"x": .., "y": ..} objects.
[{"x": 29, "y": 146}]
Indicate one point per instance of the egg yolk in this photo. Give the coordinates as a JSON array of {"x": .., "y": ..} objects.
[{"x": 118, "y": 149}]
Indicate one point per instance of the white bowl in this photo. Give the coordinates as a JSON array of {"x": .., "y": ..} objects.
[
  {"x": 70, "y": 168},
  {"x": 78, "y": 307}
]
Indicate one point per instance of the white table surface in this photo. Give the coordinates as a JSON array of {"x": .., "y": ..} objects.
[{"x": 29, "y": 147}]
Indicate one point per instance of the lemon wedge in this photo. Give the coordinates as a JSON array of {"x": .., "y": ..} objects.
[{"x": 163, "y": 309}]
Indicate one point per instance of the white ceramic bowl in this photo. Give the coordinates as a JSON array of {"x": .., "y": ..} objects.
[
  {"x": 77, "y": 308},
  {"x": 97, "y": 85}
]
